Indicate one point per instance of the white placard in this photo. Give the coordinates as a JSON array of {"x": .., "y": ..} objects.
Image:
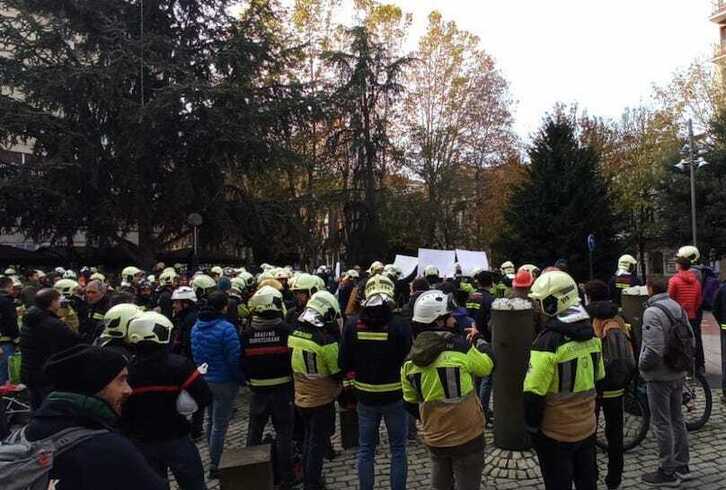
[
  {"x": 444, "y": 260},
  {"x": 406, "y": 264},
  {"x": 469, "y": 261}
]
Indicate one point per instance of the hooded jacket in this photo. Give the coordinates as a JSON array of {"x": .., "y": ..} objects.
[
  {"x": 106, "y": 461},
  {"x": 605, "y": 317},
  {"x": 439, "y": 377},
  {"x": 655, "y": 331},
  {"x": 559, "y": 389},
  {"x": 42, "y": 335},
  {"x": 685, "y": 289},
  {"x": 216, "y": 342}
]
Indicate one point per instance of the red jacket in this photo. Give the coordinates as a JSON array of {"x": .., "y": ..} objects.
[{"x": 685, "y": 289}]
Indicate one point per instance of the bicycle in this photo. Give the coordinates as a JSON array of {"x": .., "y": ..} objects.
[
  {"x": 14, "y": 410},
  {"x": 697, "y": 406}
]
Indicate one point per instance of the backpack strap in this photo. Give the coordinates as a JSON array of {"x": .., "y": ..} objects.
[{"x": 69, "y": 438}]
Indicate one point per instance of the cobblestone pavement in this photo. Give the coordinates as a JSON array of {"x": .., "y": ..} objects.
[{"x": 707, "y": 448}]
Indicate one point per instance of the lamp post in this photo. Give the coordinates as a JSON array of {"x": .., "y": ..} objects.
[
  {"x": 195, "y": 219},
  {"x": 691, "y": 159}
]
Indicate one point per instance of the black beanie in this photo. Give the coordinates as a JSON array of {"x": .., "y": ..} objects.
[{"x": 84, "y": 369}]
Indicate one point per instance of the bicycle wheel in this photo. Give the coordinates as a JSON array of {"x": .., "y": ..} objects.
[
  {"x": 697, "y": 402},
  {"x": 636, "y": 420}
]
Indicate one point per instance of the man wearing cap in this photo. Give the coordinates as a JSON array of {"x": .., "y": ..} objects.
[
  {"x": 90, "y": 388},
  {"x": 374, "y": 347},
  {"x": 43, "y": 334}
]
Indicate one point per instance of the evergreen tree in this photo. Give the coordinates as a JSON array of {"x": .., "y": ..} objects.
[
  {"x": 562, "y": 201},
  {"x": 139, "y": 113}
]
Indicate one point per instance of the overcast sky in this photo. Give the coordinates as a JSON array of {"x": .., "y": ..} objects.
[{"x": 604, "y": 55}]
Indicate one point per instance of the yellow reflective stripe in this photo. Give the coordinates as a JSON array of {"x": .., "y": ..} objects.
[
  {"x": 377, "y": 388},
  {"x": 347, "y": 383},
  {"x": 98, "y": 316},
  {"x": 613, "y": 394},
  {"x": 5, "y": 339},
  {"x": 723, "y": 326},
  {"x": 271, "y": 382},
  {"x": 373, "y": 336},
  {"x": 303, "y": 344}
]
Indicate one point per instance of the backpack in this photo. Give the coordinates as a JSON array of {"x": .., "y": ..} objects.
[
  {"x": 680, "y": 350},
  {"x": 26, "y": 465},
  {"x": 618, "y": 356}
]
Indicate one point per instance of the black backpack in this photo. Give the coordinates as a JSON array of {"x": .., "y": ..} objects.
[
  {"x": 680, "y": 350},
  {"x": 618, "y": 356}
]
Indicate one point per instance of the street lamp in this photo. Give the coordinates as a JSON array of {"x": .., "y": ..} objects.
[{"x": 692, "y": 159}]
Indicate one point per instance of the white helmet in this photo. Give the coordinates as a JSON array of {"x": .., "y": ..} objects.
[
  {"x": 204, "y": 282},
  {"x": 10, "y": 271},
  {"x": 69, "y": 274},
  {"x": 555, "y": 292},
  {"x": 60, "y": 270},
  {"x": 689, "y": 252},
  {"x": 430, "y": 306},
  {"x": 184, "y": 292},
  {"x": 217, "y": 270},
  {"x": 267, "y": 300},
  {"x": 431, "y": 270},
  {"x": 97, "y": 276},
  {"x": 149, "y": 326},
  {"x": 352, "y": 273},
  {"x": 507, "y": 268},
  {"x": 376, "y": 268}
]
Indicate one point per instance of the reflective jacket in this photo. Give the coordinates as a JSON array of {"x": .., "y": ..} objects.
[
  {"x": 314, "y": 365},
  {"x": 621, "y": 280},
  {"x": 374, "y": 353},
  {"x": 267, "y": 356},
  {"x": 559, "y": 389},
  {"x": 439, "y": 376}
]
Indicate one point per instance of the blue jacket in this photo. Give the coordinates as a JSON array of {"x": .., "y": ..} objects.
[{"x": 216, "y": 342}]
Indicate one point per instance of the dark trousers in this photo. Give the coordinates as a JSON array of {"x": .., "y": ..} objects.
[
  {"x": 696, "y": 326},
  {"x": 612, "y": 409},
  {"x": 179, "y": 455},
  {"x": 197, "y": 429},
  {"x": 318, "y": 421},
  {"x": 276, "y": 405},
  {"x": 565, "y": 463}
]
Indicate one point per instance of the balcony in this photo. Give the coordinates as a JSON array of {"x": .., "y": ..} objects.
[{"x": 718, "y": 11}]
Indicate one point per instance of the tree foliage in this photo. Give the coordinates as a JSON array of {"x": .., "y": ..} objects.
[{"x": 563, "y": 199}]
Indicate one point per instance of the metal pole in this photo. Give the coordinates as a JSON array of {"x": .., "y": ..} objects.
[
  {"x": 692, "y": 156},
  {"x": 196, "y": 256}
]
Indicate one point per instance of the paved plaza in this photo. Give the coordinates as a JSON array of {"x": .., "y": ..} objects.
[{"x": 707, "y": 448}]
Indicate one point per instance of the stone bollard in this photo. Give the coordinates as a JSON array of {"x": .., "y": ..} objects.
[
  {"x": 633, "y": 302},
  {"x": 512, "y": 336},
  {"x": 247, "y": 467}
]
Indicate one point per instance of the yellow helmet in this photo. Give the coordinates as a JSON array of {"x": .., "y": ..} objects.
[
  {"x": 267, "y": 300},
  {"x": 307, "y": 283},
  {"x": 379, "y": 285},
  {"x": 376, "y": 268},
  {"x": 128, "y": 273},
  {"x": 149, "y": 326},
  {"x": 555, "y": 291},
  {"x": 532, "y": 269},
  {"x": 322, "y": 310},
  {"x": 204, "y": 282},
  {"x": 625, "y": 262},
  {"x": 66, "y": 286},
  {"x": 116, "y": 321},
  {"x": 168, "y": 277}
]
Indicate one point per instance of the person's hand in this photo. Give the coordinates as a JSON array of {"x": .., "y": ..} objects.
[{"x": 471, "y": 333}]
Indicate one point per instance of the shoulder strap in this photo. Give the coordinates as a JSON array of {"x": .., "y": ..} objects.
[
  {"x": 71, "y": 437},
  {"x": 668, "y": 313}
]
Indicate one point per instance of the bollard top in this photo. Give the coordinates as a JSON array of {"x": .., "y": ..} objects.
[
  {"x": 512, "y": 304},
  {"x": 636, "y": 291}
]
